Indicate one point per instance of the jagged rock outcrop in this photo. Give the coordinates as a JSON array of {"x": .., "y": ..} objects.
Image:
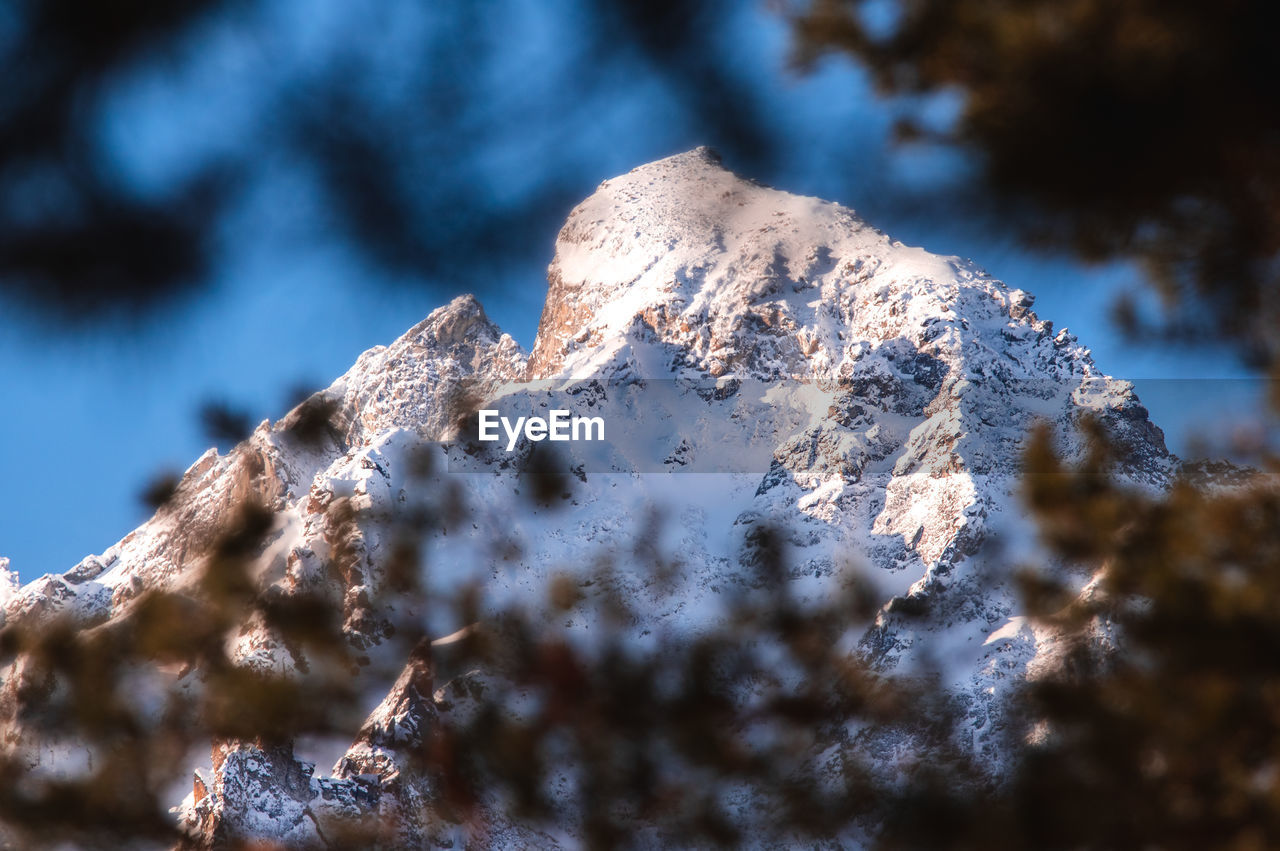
[{"x": 887, "y": 391}]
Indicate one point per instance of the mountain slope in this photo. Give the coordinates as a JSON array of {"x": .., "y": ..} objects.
[{"x": 874, "y": 399}]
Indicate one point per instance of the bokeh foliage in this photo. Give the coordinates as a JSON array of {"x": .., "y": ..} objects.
[
  {"x": 716, "y": 737},
  {"x": 1144, "y": 130},
  {"x": 1157, "y": 727},
  {"x": 406, "y": 148}
]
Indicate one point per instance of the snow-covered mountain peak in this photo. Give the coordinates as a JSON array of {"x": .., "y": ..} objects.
[
  {"x": 399, "y": 386},
  {"x": 730, "y": 277},
  {"x": 904, "y": 455}
]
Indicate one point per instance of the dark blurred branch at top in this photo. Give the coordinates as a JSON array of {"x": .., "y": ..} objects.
[
  {"x": 1128, "y": 129},
  {"x": 685, "y": 42},
  {"x": 71, "y": 235},
  {"x": 403, "y": 163},
  {"x": 402, "y": 176}
]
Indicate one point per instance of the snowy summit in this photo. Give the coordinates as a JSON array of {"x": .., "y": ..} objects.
[{"x": 886, "y": 391}]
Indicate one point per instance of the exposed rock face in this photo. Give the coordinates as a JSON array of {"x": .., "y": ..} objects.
[
  {"x": 921, "y": 376},
  {"x": 401, "y": 386},
  {"x": 407, "y": 386}
]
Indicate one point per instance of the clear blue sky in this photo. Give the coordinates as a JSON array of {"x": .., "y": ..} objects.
[{"x": 89, "y": 415}]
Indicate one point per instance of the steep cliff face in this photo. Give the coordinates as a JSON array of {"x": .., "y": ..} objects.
[{"x": 885, "y": 391}]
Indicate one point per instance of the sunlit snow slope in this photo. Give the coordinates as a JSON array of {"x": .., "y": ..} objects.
[{"x": 874, "y": 398}]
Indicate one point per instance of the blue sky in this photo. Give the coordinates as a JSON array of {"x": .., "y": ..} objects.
[{"x": 88, "y": 415}]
